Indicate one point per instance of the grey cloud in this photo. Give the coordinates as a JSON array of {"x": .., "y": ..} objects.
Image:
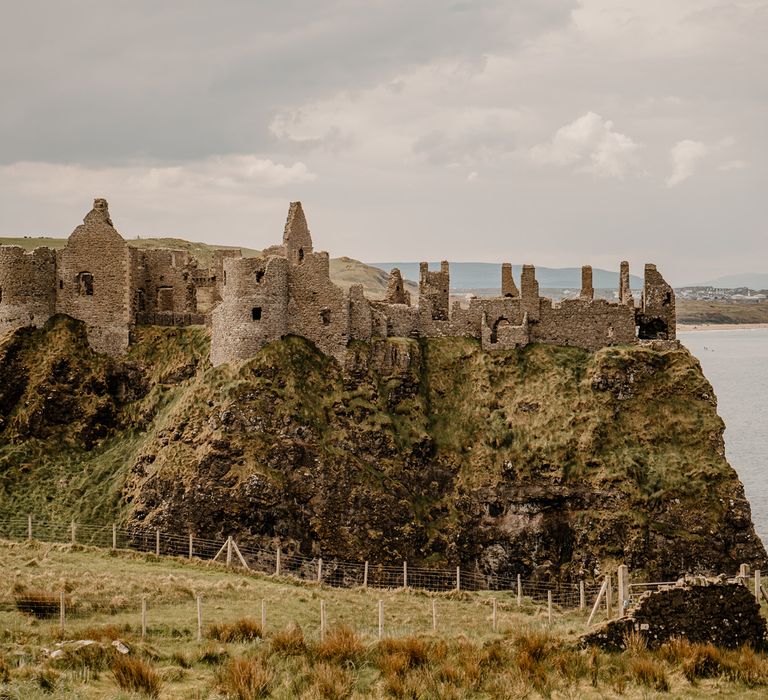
[{"x": 85, "y": 80}]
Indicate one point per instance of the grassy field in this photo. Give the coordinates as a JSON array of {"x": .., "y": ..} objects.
[
  {"x": 524, "y": 657},
  {"x": 692, "y": 312}
]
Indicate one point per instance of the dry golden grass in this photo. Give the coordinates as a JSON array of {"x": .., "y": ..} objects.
[
  {"x": 137, "y": 676},
  {"x": 246, "y": 678},
  {"x": 245, "y": 629}
]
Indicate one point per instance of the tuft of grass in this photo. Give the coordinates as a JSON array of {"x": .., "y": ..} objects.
[
  {"x": 246, "y": 678},
  {"x": 137, "y": 676},
  {"x": 330, "y": 682},
  {"x": 245, "y": 629},
  {"x": 341, "y": 645},
  {"x": 289, "y": 642},
  {"x": 649, "y": 671},
  {"x": 212, "y": 656}
]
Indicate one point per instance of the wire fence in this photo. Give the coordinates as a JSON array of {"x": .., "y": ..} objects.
[{"x": 331, "y": 572}]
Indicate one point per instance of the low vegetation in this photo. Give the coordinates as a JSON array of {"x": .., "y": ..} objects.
[{"x": 101, "y": 652}]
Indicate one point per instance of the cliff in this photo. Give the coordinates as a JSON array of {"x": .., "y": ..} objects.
[{"x": 548, "y": 461}]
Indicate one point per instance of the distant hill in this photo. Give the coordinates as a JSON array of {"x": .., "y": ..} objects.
[
  {"x": 473, "y": 275},
  {"x": 752, "y": 280}
]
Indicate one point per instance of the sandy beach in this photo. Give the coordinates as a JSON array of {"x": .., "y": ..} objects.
[{"x": 720, "y": 326}]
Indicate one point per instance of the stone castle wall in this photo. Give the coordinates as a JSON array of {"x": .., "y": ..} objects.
[
  {"x": 250, "y": 302},
  {"x": 94, "y": 281},
  {"x": 27, "y": 287}
]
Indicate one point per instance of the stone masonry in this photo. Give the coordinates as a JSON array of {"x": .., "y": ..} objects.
[
  {"x": 722, "y": 612},
  {"x": 249, "y": 302}
]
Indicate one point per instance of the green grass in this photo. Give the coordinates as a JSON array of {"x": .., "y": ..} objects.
[{"x": 465, "y": 657}]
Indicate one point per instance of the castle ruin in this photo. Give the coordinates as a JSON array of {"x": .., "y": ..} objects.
[{"x": 112, "y": 287}]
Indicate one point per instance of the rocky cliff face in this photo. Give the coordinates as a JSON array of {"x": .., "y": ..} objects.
[{"x": 548, "y": 461}]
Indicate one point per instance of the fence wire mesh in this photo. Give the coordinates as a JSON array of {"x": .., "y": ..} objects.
[{"x": 330, "y": 572}]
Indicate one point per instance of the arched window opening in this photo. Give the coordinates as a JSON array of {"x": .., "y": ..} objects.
[{"x": 301, "y": 255}]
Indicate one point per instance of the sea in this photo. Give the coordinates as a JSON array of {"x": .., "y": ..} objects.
[{"x": 735, "y": 361}]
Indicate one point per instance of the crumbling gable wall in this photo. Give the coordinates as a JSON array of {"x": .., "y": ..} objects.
[
  {"x": 27, "y": 287},
  {"x": 296, "y": 237},
  {"x": 94, "y": 281},
  {"x": 396, "y": 291},
  {"x": 657, "y": 317}
]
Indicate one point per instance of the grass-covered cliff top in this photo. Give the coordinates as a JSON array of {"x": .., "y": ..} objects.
[{"x": 548, "y": 461}]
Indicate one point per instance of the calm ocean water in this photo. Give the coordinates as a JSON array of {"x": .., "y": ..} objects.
[{"x": 736, "y": 364}]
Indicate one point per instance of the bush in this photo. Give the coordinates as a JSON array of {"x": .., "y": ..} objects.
[
  {"x": 137, "y": 676},
  {"x": 246, "y": 678},
  {"x": 245, "y": 629}
]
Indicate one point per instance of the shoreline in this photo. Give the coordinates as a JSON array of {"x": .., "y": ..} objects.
[{"x": 720, "y": 326}]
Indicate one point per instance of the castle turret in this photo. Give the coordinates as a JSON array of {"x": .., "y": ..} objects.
[
  {"x": 27, "y": 287},
  {"x": 434, "y": 289},
  {"x": 296, "y": 238},
  {"x": 254, "y": 308}
]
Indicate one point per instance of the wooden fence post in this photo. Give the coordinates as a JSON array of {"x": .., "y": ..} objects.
[
  {"x": 582, "y": 596},
  {"x": 381, "y": 618},
  {"x": 365, "y": 576},
  {"x": 494, "y": 615},
  {"x": 596, "y": 606},
  {"x": 157, "y": 541},
  {"x": 114, "y": 536},
  {"x": 458, "y": 578},
  {"x": 277, "y": 562},
  {"x": 143, "y": 617},
  {"x": 73, "y": 536},
  {"x": 623, "y": 574},
  {"x": 743, "y": 571},
  {"x": 229, "y": 551},
  {"x": 29, "y": 526},
  {"x": 405, "y": 574},
  {"x": 62, "y": 610},
  {"x": 757, "y": 585},
  {"x": 191, "y": 544},
  {"x": 320, "y": 570},
  {"x": 199, "y": 618},
  {"x": 549, "y": 606},
  {"x": 519, "y": 591}
]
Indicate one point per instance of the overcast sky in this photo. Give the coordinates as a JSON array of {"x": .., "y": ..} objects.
[{"x": 545, "y": 131}]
